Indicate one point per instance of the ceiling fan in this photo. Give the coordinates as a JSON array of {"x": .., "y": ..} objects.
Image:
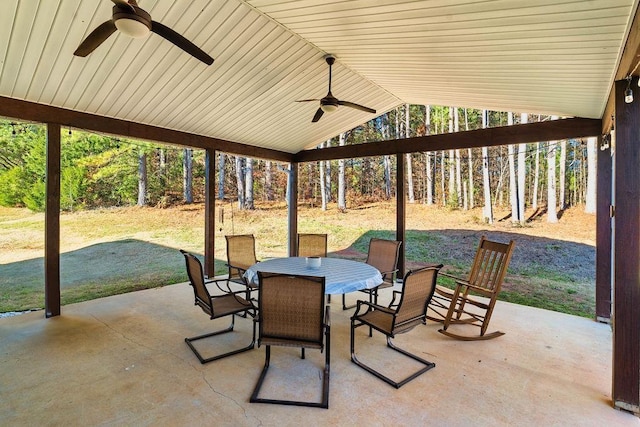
[
  {"x": 133, "y": 21},
  {"x": 330, "y": 103}
]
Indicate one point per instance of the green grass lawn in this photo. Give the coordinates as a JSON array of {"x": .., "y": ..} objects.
[{"x": 112, "y": 251}]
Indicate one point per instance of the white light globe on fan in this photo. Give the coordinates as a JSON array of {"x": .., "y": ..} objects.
[
  {"x": 329, "y": 108},
  {"x": 132, "y": 28}
]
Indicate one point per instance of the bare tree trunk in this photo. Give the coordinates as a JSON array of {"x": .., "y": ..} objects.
[
  {"x": 522, "y": 173},
  {"x": 142, "y": 179},
  {"x": 323, "y": 183},
  {"x": 486, "y": 184},
  {"x": 442, "y": 176},
  {"x": 386, "y": 162},
  {"x": 327, "y": 174},
  {"x": 407, "y": 134},
  {"x": 534, "y": 197},
  {"x": 563, "y": 174},
  {"x": 465, "y": 205},
  {"x": 187, "y": 175},
  {"x": 552, "y": 215},
  {"x": 240, "y": 181},
  {"x": 342, "y": 203},
  {"x": 453, "y": 197},
  {"x": 470, "y": 163},
  {"x": 590, "y": 205},
  {"x": 429, "y": 169},
  {"x": 221, "y": 162},
  {"x": 456, "y": 128},
  {"x": 268, "y": 180},
  {"x": 501, "y": 169},
  {"x": 248, "y": 184},
  {"x": 162, "y": 168},
  {"x": 513, "y": 183}
]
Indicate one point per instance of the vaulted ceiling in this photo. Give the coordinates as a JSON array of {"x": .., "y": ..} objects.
[{"x": 546, "y": 56}]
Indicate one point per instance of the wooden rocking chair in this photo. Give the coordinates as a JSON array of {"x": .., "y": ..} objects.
[{"x": 462, "y": 305}]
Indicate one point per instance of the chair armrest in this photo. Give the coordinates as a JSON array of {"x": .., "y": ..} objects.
[
  {"x": 456, "y": 278},
  {"x": 393, "y": 298},
  {"x": 236, "y": 267},
  {"x": 327, "y": 317},
  {"x": 217, "y": 283},
  {"x": 478, "y": 289},
  {"x": 392, "y": 272},
  {"x": 371, "y": 306}
]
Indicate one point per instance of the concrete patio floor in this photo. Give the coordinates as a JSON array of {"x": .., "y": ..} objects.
[{"x": 122, "y": 360}]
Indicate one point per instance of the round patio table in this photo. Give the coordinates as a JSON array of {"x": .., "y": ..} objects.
[{"x": 341, "y": 275}]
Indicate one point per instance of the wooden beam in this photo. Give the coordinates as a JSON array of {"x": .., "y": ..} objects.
[
  {"x": 626, "y": 299},
  {"x": 209, "y": 212},
  {"x": 31, "y": 111},
  {"x": 603, "y": 231},
  {"x": 400, "y": 212},
  {"x": 518, "y": 134},
  {"x": 52, "y": 224},
  {"x": 628, "y": 61},
  {"x": 293, "y": 210}
]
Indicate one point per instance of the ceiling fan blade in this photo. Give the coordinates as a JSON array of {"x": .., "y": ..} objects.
[
  {"x": 357, "y": 106},
  {"x": 307, "y": 100},
  {"x": 96, "y": 38},
  {"x": 124, "y": 3},
  {"x": 319, "y": 114},
  {"x": 181, "y": 42}
]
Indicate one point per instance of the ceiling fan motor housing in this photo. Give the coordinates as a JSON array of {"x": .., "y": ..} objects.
[{"x": 123, "y": 17}]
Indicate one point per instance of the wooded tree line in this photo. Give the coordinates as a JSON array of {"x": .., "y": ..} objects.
[{"x": 99, "y": 171}]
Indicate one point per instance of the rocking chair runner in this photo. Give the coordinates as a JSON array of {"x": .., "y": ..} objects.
[
  {"x": 462, "y": 305},
  {"x": 417, "y": 289},
  {"x": 292, "y": 314},
  {"x": 227, "y": 304}
]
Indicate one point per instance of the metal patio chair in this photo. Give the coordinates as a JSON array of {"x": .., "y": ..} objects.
[
  {"x": 216, "y": 306},
  {"x": 417, "y": 289},
  {"x": 383, "y": 255},
  {"x": 292, "y": 313},
  {"x": 241, "y": 254},
  {"x": 312, "y": 245}
]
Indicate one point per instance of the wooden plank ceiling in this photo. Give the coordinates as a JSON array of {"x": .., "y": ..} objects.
[{"x": 549, "y": 56}]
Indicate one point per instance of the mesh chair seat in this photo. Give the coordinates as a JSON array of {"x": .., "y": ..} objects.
[
  {"x": 229, "y": 304},
  {"x": 290, "y": 343}
]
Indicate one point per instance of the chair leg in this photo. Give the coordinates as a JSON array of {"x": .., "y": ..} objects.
[
  {"x": 427, "y": 365},
  {"x": 203, "y": 360},
  {"x": 325, "y": 384},
  {"x": 344, "y": 303}
]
